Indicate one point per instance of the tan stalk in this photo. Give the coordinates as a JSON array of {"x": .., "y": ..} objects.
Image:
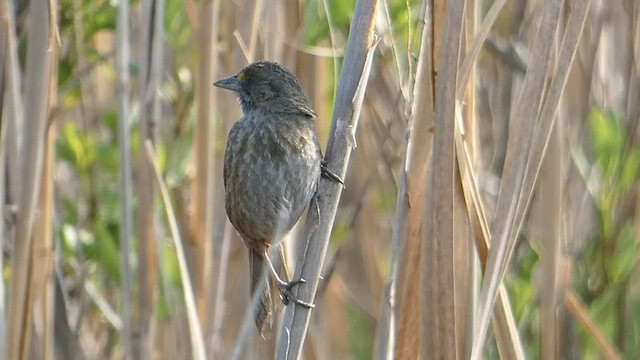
[
  {"x": 202, "y": 189},
  {"x": 551, "y": 283},
  {"x": 10, "y": 116},
  {"x": 522, "y": 124},
  {"x": 440, "y": 238},
  {"x": 123, "y": 91},
  {"x": 401, "y": 337},
  {"x": 36, "y": 88},
  {"x": 506, "y": 331},
  {"x": 320, "y": 218},
  {"x": 151, "y": 43},
  {"x": 577, "y": 309},
  {"x": 195, "y": 330}
]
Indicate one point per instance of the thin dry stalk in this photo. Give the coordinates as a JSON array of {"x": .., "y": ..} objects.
[
  {"x": 203, "y": 149},
  {"x": 402, "y": 295},
  {"x": 215, "y": 331},
  {"x": 552, "y": 287},
  {"x": 521, "y": 180},
  {"x": 576, "y": 308},
  {"x": 195, "y": 331},
  {"x": 505, "y": 329},
  {"x": 38, "y": 69},
  {"x": 215, "y": 252},
  {"x": 439, "y": 318},
  {"x": 242, "y": 45},
  {"x": 419, "y": 155},
  {"x": 334, "y": 44},
  {"x": 87, "y": 90},
  {"x": 394, "y": 47},
  {"x": 522, "y": 124},
  {"x": 150, "y": 81},
  {"x": 103, "y": 305},
  {"x": 478, "y": 40},
  {"x": 43, "y": 249},
  {"x": 320, "y": 218},
  {"x": 253, "y": 35},
  {"x": 11, "y": 110},
  {"x": 465, "y": 257},
  {"x": 547, "y": 116},
  {"x": 3, "y": 230},
  {"x": 126, "y": 191},
  {"x": 386, "y": 328},
  {"x": 506, "y": 333}
]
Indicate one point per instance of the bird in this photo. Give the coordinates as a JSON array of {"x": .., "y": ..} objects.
[{"x": 272, "y": 165}]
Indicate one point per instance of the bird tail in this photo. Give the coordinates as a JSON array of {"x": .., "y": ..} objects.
[{"x": 259, "y": 272}]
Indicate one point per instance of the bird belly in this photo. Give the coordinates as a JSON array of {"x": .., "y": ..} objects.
[{"x": 270, "y": 193}]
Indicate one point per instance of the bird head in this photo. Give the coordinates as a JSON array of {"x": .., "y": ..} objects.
[{"x": 269, "y": 87}]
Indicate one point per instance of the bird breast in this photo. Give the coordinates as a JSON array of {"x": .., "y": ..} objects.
[{"x": 270, "y": 176}]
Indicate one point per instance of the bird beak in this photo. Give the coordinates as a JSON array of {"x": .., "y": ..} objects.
[{"x": 230, "y": 83}]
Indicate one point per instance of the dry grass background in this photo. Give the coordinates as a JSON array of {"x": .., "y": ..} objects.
[{"x": 490, "y": 209}]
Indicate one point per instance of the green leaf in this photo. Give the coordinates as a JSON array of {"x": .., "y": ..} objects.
[
  {"x": 630, "y": 170},
  {"x": 632, "y": 327},
  {"x": 162, "y": 154},
  {"x": 100, "y": 17},
  {"x": 110, "y": 119},
  {"x": 317, "y": 28},
  {"x": 625, "y": 256},
  {"x": 600, "y": 310},
  {"x": 76, "y": 148},
  {"x": 104, "y": 251},
  {"x": 360, "y": 333},
  {"x": 608, "y": 141},
  {"x": 178, "y": 29},
  {"x": 170, "y": 267},
  {"x": 179, "y": 159},
  {"x": 108, "y": 157}
]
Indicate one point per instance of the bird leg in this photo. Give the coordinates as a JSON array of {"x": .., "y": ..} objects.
[
  {"x": 326, "y": 173},
  {"x": 285, "y": 287}
]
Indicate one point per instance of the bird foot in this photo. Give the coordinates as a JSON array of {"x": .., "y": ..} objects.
[
  {"x": 288, "y": 295},
  {"x": 326, "y": 173}
]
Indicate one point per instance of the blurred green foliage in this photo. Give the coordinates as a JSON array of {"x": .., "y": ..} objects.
[
  {"x": 361, "y": 331},
  {"x": 524, "y": 301},
  {"x": 604, "y": 270},
  {"x": 318, "y": 24},
  {"x": 604, "y": 267},
  {"x": 90, "y": 215}
]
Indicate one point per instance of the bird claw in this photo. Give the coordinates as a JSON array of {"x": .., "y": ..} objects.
[
  {"x": 288, "y": 295},
  {"x": 326, "y": 173}
]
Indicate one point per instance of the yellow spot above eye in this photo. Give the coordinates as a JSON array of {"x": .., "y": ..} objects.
[{"x": 241, "y": 76}]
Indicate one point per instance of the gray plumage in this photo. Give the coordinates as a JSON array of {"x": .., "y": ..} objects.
[{"x": 272, "y": 164}]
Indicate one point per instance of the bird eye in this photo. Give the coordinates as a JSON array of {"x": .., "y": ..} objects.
[{"x": 241, "y": 76}]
